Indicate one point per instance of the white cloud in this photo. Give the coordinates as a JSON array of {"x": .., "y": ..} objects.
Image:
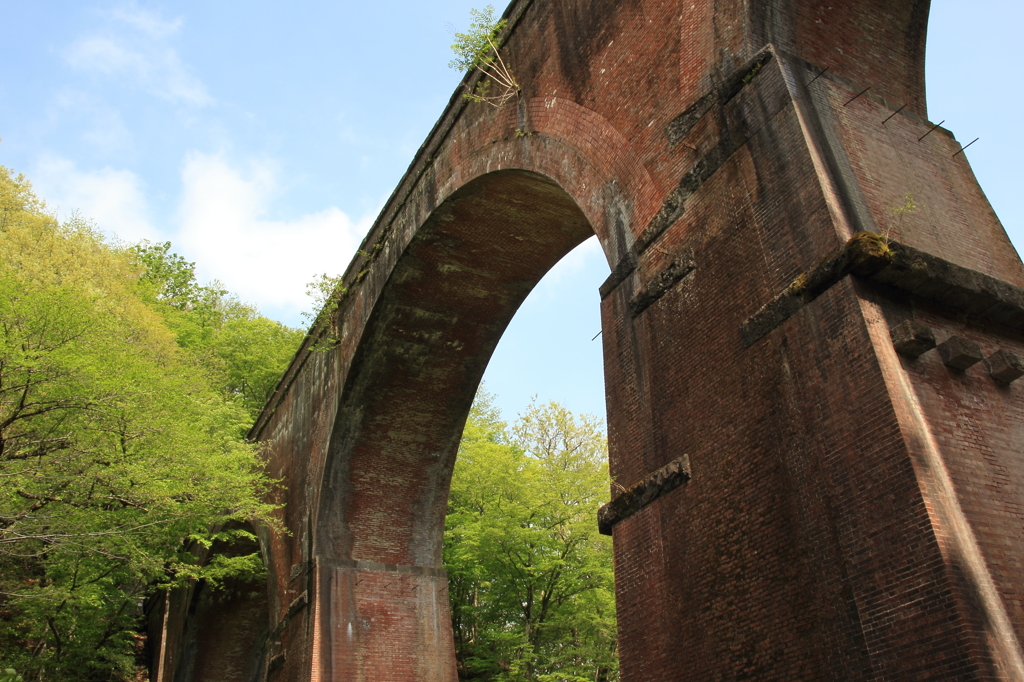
[
  {"x": 147, "y": 22},
  {"x": 103, "y": 127},
  {"x": 224, "y": 228},
  {"x": 113, "y": 199},
  {"x": 142, "y": 55}
]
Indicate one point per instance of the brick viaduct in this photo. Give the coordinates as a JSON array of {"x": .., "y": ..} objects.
[{"x": 850, "y": 501}]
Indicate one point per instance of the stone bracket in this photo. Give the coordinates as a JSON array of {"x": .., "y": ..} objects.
[
  {"x": 960, "y": 353},
  {"x": 1005, "y": 366},
  {"x": 662, "y": 284},
  {"x": 912, "y": 339},
  {"x": 361, "y": 565},
  {"x": 653, "y": 486},
  {"x": 870, "y": 256}
]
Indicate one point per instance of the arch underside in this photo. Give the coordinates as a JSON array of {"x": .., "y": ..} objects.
[
  {"x": 379, "y": 529},
  {"x": 448, "y": 300}
]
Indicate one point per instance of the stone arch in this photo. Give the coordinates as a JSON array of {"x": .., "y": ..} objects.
[
  {"x": 576, "y": 147},
  {"x": 538, "y": 193},
  {"x": 505, "y": 204},
  {"x": 423, "y": 351},
  {"x": 724, "y": 152}
]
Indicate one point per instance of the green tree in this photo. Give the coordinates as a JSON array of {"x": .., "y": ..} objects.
[
  {"x": 117, "y": 453},
  {"x": 478, "y": 49},
  {"x": 244, "y": 352},
  {"x": 530, "y": 578},
  {"x": 169, "y": 277}
]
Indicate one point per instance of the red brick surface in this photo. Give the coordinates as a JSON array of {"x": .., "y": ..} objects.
[{"x": 851, "y": 515}]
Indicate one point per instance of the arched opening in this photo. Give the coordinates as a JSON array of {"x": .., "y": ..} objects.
[
  {"x": 552, "y": 348},
  {"x": 530, "y": 576},
  {"x": 412, "y": 381}
]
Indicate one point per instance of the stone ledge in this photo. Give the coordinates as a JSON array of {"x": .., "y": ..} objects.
[
  {"x": 674, "y": 204},
  {"x": 299, "y": 603},
  {"x": 870, "y": 256},
  {"x": 677, "y": 270},
  {"x": 653, "y": 486},
  {"x": 360, "y": 565},
  {"x": 623, "y": 269}
]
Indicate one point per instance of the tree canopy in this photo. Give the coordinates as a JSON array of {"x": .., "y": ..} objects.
[
  {"x": 243, "y": 352},
  {"x": 125, "y": 392},
  {"x": 530, "y": 577}
]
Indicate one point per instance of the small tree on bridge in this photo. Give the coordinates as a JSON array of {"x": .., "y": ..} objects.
[{"x": 478, "y": 49}]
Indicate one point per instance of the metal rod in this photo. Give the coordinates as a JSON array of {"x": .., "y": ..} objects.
[
  {"x": 857, "y": 95},
  {"x": 931, "y": 129},
  {"x": 597, "y": 334},
  {"x": 818, "y": 76},
  {"x": 894, "y": 113},
  {"x": 966, "y": 146}
]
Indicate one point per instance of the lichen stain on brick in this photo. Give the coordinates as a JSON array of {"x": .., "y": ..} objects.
[{"x": 723, "y": 175}]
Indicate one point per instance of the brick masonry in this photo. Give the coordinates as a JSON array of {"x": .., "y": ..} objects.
[{"x": 849, "y": 513}]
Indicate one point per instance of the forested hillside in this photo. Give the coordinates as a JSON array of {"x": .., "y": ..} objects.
[{"x": 126, "y": 390}]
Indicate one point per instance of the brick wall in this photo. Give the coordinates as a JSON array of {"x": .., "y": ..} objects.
[{"x": 851, "y": 513}]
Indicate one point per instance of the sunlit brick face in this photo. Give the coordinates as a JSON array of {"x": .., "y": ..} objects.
[{"x": 850, "y": 511}]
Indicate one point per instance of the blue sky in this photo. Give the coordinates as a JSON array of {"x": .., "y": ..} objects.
[{"x": 263, "y": 139}]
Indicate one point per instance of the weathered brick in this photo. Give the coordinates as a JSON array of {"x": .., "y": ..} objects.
[
  {"x": 851, "y": 515},
  {"x": 960, "y": 353},
  {"x": 911, "y": 338}
]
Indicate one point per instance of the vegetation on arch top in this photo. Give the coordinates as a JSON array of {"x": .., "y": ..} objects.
[{"x": 478, "y": 49}]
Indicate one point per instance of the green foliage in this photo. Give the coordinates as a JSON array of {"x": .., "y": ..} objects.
[
  {"x": 530, "y": 578},
  {"x": 898, "y": 213},
  {"x": 10, "y": 675},
  {"x": 243, "y": 353},
  {"x": 473, "y": 48},
  {"x": 478, "y": 49},
  {"x": 172, "y": 278},
  {"x": 326, "y": 292},
  {"x": 118, "y": 450}
]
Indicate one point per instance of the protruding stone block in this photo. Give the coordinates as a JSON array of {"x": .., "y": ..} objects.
[
  {"x": 664, "y": 480},
  {"x": 960, "y": 353},
  {"x": 1005, "y": 367},
  {"x": 912, "y": 338}
]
